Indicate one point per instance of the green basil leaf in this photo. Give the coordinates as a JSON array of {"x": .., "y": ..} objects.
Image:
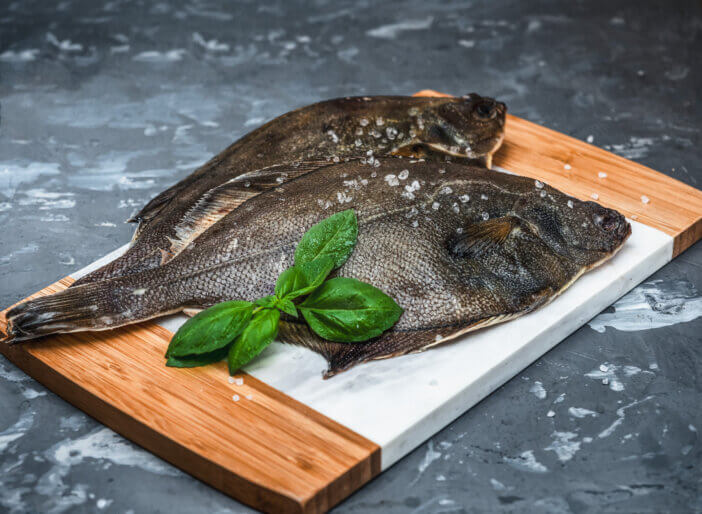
[
  {"x": 267, "y": 301},
  {"x": 192, "y": 361},
  {"x": 210, "y": 329},
  {"x": 334, "y": 236},
  {"x": 287, "y": 306},
  {"x": 347, "y": 310},
  {"x": 304, "y": 278},
  {"x": 258, "y": 334}
]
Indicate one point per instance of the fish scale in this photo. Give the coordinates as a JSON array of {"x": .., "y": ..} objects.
[
  {"x": 452, "y": 272},
  {"x": 322, "y": 133}
]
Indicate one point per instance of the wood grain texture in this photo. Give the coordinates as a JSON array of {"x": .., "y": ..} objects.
[
  {"x": 574, "y": 167},
  {"x": 271, "y": 451},
  {"x": 268, "y": 451}
]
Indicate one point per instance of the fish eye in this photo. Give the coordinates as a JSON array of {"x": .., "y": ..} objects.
[
  {"x": 485, "y": 110},
  {"x": 608, "y": 222}
]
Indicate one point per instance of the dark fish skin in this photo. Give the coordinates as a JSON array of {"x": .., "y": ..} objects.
[
  {"x": 458, "y": 250},
  {"x": 468, "y": 127}
]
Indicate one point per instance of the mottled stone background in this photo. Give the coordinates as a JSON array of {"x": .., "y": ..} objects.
[{"x": 104, "y": 104}]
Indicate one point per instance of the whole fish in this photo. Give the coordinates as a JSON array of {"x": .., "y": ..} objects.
[
  {"x": 457, "y": 248},
  {"x": 469, "y": 127}
]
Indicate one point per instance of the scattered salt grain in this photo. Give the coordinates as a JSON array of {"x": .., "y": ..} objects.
[
  {"x": 590, "y": 139},
  {"x": 567, "y": 166},
  {"x": 379, "y": 121},
  {"x": 542, "y": 194},
  {"x": 403, "y": 174},
  {"x": 538, "y": 184},
  {"x": 392, "y": 180},
  {"x": 358, "y": 142},
  {"x": 644, "y": 199},
  {"x": 438, "y": 337},
  {"x": 486, "y": 216},
  {"x": 442, "y": 171},
  {"x": 435, "y": 206},
  {"x": 605, "y": 381},
  {"x": 483, "y": 197},
  {"x": 464, "y": 198},
  {"x": 570, "y": 203},
  {"x": 231, "y": 380},
  {"x": 238, "y": 381},
  {"x": 459, "y": 230},
  {"x": 595, "y": 196},
  {"x": 550, "y": 414},
  {"x": 235, "y": 397},
  {"x": 602, "y": 174},
  {"x": 364, "y": 122}
]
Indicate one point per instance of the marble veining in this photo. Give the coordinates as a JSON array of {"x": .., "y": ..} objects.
[{"x": 103, "y": 104}]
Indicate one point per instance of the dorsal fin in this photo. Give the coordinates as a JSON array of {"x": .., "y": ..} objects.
[
  {"x": 480, "y": 237},
  {"x": 223, "y": 199}
]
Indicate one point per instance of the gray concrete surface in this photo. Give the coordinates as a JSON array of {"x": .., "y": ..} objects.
[{"x": 103, "y": 104}]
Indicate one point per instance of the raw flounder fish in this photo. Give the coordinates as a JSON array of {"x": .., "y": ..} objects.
[
  {"x": 334, "y": 130},
  {"x": 458, "y": 248}
]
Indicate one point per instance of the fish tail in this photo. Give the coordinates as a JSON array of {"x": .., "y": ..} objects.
[{"x": 98, "y": 306}]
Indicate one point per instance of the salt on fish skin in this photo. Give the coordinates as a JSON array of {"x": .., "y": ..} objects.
[{"x": 454, "y": 271}]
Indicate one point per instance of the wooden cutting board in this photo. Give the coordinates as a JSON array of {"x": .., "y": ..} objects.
[{"x": 287, "y": 441}]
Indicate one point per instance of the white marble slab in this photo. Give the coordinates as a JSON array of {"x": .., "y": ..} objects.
[{"x": 398, "y": 403}]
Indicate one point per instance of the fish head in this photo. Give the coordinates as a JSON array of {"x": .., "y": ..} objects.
[
  {"x": 582, "y": 230},
  {"x": 468, "y": 127}
]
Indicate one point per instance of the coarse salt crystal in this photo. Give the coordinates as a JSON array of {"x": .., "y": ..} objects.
[
  {"x": 483, "y": 197},
  {"x": 644, "y": 199},
  {"x": 538, "y": 184},
  {"x": 550, "y": 414},
  {"x": 438, "y": 337},
  {"x": 590, "y": 139},
  {"x": 486, "y": 216},
  {"x": 239, "y": 381},
  {"x": 595, "y": 196},
  {"x": 602, "y": 174},
  {"x": 231, "y": 380},
  {"x": 435, "y": 206},
  {"x": 235, "y": 397},
  {"x": 570, "y": 203},
  {"x": 403, "y": 174},
  {"x": 567, "y": 166}
]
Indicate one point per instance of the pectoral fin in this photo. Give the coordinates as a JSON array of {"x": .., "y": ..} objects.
[{"x": 482, "y": 237}]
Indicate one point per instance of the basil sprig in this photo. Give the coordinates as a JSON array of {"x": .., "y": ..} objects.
[{"x": 340, "y": 309}]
